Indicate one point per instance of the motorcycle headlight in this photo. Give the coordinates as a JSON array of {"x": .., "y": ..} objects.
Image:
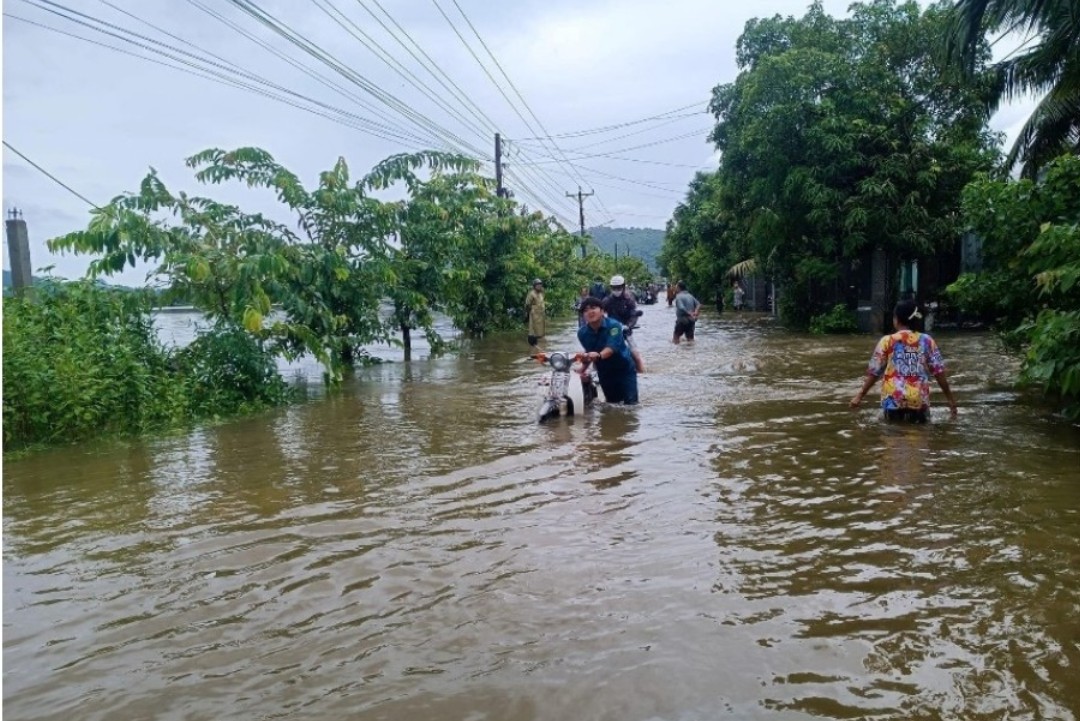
[{"x": 559, "y": 361}]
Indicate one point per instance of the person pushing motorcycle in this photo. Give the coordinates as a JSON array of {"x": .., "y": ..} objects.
[
  {"x": 620, "y": 305},
  {"x": 605, "y": 347}
]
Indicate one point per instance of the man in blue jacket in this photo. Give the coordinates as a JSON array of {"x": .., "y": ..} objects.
[{"x": 605, "y": 346}]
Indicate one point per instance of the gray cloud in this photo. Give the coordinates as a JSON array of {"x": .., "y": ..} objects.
[{"x": 99, "y": 119}]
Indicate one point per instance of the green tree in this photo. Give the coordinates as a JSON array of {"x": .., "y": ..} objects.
[
  {"x": 328, "y": 279},
  {"x": 1046, "y": 65},
  {"x": 702, "y": 241},
  {"x": 450, "y": 245},
  {"x": 838, "y": 136},
  {"x": 1031, "y": 280},
  {"x": 431, "y": 251}
]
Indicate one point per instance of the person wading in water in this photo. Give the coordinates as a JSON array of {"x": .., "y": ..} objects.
[{"x": 906, "y": 360}]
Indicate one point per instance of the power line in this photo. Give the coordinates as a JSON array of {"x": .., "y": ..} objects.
[
  {"x": 297, "y": 39},
  {"x": 452, "y": 88},
  {"x": 581, "y": 148},
  {"x": 636, "y": 192},
  {"x": 495, "y": 82},
  {"x": 227, "y": 73},
  {"x": 631, "y": 180},
  {"x": 608, "y": 128},
  {"x": 52, "y": 177},
  {"x": 625, "y": 159},
  {"x": 504, "y": 74},
  {"x": 691, "y": 134},
  {"x": 307, "y": 71},
  {"x": 365, "y": 125},
  {"x": 367, "y": 41}
]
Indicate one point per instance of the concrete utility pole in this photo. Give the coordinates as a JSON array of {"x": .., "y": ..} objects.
[
  {"x": 581, "y": 213},
  {"x": 19, "y": 251},
  {"x": 499, "y": 189}
]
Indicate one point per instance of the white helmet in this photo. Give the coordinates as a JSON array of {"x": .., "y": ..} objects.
[{"x": 617, "y": 280}]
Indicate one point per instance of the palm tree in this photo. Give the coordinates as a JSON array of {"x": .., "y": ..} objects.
[{"x": 1049, "y": 68}]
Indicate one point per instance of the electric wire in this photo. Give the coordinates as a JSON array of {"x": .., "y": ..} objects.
[
  {"x": 631, "y": 180},
  {"x": 421, "y": 50},
  {"x": 498, "y": 65},
  {"x": 617, "y": 126},
  {"x": 448, "y": 138},
  {"x": 354, "y": 121},
  {"x": 434, "y": 69},
  {"x": 404, "y": 72},
  {"x": 625, "y": 159},
  {"x": 430, "y": 65},
  {"x": 487, "y": 72},
  {"x": 334, "y": 114},
  {"x": 699, "y": 132},
  {"x": 589, "y": 146},
  {"x": 323, "y": 80},
  {"x": 380, "y": 52},
  {"x": 52, "y": 177}
]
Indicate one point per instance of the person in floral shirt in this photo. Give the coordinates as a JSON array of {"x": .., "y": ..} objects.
[{"x": 905, "y": 361}]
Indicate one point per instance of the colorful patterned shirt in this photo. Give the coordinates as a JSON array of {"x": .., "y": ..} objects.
[{"x": 906, "y": 361}]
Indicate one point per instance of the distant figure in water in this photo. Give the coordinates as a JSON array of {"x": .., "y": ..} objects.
[
  {"x": 687, "y": 308},
  {"x": 905, "y": 361}
]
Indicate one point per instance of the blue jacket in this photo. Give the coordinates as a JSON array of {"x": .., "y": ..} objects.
[{"x": 609, "y": 335}]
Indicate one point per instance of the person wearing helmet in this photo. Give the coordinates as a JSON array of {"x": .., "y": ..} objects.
[
  {"x": 620, "y": 305},
  {"x": 535, "y": 313}
]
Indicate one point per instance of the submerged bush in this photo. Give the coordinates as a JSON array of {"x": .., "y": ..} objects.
[
  {"x": 837, "y": 320},
  {"x": 82, "y": 361},
  {"x": 226, "y": 372}
]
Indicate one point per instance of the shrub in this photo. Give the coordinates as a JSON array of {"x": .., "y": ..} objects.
[
  {"x": 225, "y": 371},
  {"x": 836, "y": 321},
  {"x": 83, "y": 361}
]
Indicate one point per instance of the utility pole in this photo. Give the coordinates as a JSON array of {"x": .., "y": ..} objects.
[
  {"x": 19, "y": 251},
  {"x": 499, "y": 189},
  {"x": 581, "y": 213}
]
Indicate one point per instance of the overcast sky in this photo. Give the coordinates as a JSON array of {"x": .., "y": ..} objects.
[{"x": 98, "y": 119}]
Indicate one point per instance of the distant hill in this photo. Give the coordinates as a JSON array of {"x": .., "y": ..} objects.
[
  {"x": 644, "y": 243},
  {"x": 36, "y": 279}
]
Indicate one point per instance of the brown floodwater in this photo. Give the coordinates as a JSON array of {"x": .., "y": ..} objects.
[{"x": 740, "y": 545}]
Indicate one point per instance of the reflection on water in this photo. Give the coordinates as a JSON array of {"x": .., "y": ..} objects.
[{"x": 414, "y": 546}]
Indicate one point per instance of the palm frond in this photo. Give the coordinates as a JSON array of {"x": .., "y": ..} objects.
[
  {"x": 1052, "y": 129},
  {"x": 743, "y": 268}
]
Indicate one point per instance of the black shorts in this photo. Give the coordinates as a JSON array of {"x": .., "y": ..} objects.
[
  {"x": 907, "y": 415},
  {"x": 533, "y": 339},
  {"x": 685, "y": 327}
]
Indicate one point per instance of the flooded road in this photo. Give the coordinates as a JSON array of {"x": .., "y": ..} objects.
[{"x": 415, "y": 547}]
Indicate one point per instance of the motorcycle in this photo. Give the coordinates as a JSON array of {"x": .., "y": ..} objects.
[{"x": 566, "y": 391}]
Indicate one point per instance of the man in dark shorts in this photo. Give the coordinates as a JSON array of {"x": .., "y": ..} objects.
[{"x": 687, "y": 308}]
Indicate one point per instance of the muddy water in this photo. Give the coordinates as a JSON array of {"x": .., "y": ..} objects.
[{"x": 414, "y": 547}]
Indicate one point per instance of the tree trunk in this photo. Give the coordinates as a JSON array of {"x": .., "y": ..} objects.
[{"x": 406, "y": 342}]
